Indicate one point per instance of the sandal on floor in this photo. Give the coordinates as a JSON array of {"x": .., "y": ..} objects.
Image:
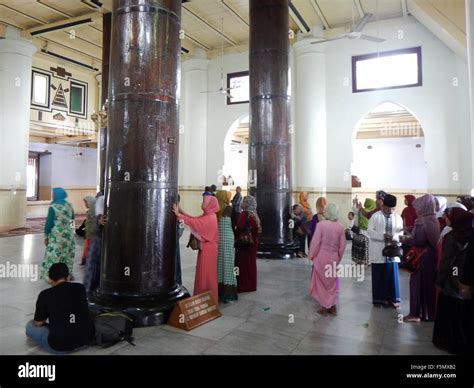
[
  {"x": 323, "y": 312},
  {"x": 409, "y": 318},
  {"x": 333, "y": 310}
]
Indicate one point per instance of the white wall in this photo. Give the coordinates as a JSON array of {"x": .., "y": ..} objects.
[
  {"x": 220, "y": 115},
  {"x": 440, "y": 107},
  {"x": 390, "y": 163},
  {"x": 236, "y": 163},
  {"x": 66, "y": 170}
]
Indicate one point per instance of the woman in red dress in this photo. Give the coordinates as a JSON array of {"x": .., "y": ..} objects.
[{"x": 246, "y": 257}]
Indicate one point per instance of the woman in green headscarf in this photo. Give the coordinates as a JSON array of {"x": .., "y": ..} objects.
[
  {"x": 226, "y": 278},
  {"x": 360, "y": 242},
  {"x": 369, "y": 205},
  {"x": 59, "y": 233}
]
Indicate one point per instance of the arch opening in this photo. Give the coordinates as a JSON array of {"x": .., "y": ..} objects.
[
  {"x": 236, "y": 145},
  {"x": 389, "y": 150}
]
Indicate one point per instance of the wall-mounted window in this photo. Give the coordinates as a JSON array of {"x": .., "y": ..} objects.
[
  {"x": 78, "y": 99},
  {"x": 238, "y": 83},
  {"x": 387, "y": 70},
  {"x": 40, "y": 86}
]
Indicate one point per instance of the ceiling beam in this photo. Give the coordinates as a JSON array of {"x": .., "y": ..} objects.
[
  {"x": 76, "y": 36},
  {"x": 359, "y": 8},
  {"x": 197, "y": 42},
  {"x": 22, "y": 14},
  {"x": 298, "y": 19},
  {"x": 70, "y": 139},
  {"x": 67, "y": 48},
  {"x": 234, "y": 13},
  {"x": 50, "y": 7},
  {"x": 440, "y": 25},
  {"x": 62, "y": 25},
  {"x": 210, "y": 27},
  {"x": 320, "y": 14}
]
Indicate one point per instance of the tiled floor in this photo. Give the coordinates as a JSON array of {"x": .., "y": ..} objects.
[{"x": 280, "y": 318}]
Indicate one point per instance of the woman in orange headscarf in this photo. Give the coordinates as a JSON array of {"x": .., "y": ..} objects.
[
  {"x": 306, "y": 206},
  {"x": 205, "y": 229},
  {"x": 321, "y": 204}
]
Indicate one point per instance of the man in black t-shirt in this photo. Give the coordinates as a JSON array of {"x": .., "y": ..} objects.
[{"x": 64, "y": 305}]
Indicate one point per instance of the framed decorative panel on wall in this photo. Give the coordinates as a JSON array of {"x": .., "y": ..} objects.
[
  {"x": 40, "y": 89},
  {"x": 78, "y": 99}
]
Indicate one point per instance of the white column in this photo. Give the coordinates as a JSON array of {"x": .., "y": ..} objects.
[
  {"x": 310, "y": 116},
  {"x": 97, "y": 101},
  {"x": 193, "y": 126},
  {"x": 15, "y": 91},
  {"x": 470, "y": 64}
]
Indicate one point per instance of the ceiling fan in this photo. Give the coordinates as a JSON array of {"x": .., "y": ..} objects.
[
  {"x": 222, "y": 89},
  {"x": 356, "y": 32}
]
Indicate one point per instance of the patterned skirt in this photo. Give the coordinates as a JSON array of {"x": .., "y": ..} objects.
[
  {"x": 360, "y": 249},
  {"x": 226, "y": 276}
]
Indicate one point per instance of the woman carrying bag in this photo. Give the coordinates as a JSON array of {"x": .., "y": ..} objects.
[{"x": 246, "y": 241}]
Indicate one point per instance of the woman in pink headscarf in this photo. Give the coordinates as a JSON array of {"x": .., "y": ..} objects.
[{"x": 205, "y": 229}]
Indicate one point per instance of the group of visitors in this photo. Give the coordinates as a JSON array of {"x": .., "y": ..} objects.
[
  {"x": 61, "y": 322},
  {"x": 228, "y": 235},
  {"x": 60, "y": 242},
  {"x": 434, "y": 240}
]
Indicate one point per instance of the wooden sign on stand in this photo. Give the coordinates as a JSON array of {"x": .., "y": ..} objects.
[{"x": 194, "y": 311}]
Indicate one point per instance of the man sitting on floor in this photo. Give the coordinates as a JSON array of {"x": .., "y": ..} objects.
[{"x": 64, "y": 305}]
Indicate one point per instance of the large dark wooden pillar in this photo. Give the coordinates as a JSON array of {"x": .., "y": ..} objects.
[
  {"x": 270, "y": 146},
  {"x": 106, "y": 31},
  {"x": 138, "y": 258}
]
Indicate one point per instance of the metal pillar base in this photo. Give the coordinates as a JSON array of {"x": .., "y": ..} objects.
[
  {"x": 152, "y": 310},
  {"x": 277, "y": 251}
]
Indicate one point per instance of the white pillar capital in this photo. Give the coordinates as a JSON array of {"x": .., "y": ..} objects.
[
  {"x": 193, "y": 64},
  {"x": 306, "y": 46},
  {"x": 13, "y": 43}
]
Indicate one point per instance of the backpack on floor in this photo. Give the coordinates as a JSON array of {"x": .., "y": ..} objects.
[{"x": 113, "y": 327}]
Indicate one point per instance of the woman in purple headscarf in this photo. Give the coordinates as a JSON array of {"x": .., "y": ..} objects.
[{"x": 425, "y": 237}]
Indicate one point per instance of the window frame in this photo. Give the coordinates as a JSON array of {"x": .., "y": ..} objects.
[
  {"x": 412, "y": 50},
  {"x": 46, "y": 106},
  {"x": 83, "y": 86},
  {"x": 237, "y": 75}
]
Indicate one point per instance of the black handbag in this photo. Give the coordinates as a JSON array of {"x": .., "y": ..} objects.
[
  {"x": 393, "y": 251},
  {"x": 194, "y": 243}
]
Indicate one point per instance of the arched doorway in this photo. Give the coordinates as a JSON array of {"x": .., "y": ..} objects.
[
  {"x": 388, "y": 150},
  {"x": 236, "y": 145}
]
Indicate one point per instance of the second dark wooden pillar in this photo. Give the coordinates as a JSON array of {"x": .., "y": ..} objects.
[{"x": 270, "y": 145}]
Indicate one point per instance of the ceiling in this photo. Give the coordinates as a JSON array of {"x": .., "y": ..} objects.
[{"x": 209, "y": 24}]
